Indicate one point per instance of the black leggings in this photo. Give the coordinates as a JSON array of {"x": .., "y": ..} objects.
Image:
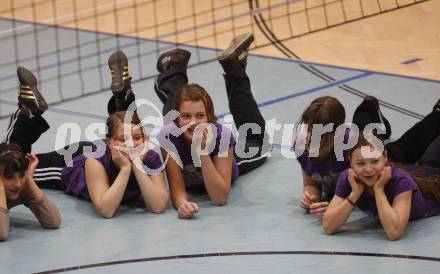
[
  {"x": 25, "y": 131},
  {"x": 243, "y": 107},
  {"x": 51, "y": 165},
  {"x": 419, "y": 143}
]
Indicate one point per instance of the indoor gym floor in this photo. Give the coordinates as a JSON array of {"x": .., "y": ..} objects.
[{"x": 261, "y": 229}]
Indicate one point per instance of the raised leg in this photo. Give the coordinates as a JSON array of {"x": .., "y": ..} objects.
[
  {"x": 172, "y": 67},
  {"x": 410, "y": 147},
  {"x": 242, "y": 104}
]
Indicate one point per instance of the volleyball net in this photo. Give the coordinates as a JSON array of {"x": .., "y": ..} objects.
[{"x": 66, "y": 43}]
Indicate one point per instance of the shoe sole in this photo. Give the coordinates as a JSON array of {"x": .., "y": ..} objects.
[
  {"x": 238, "y": 44},
  {"x": 364, "y": 108},
  {"x": 186, "y": 56},
  {"x": 380, "y": 117},
  {"x": 118, "y": 64},
  {"x": 29, "y": 93}
]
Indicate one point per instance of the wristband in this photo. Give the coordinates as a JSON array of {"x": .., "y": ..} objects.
[{"x": 350, "y": 201}]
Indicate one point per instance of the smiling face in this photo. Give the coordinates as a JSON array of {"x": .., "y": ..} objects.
[
  {"x": 13, "y": 167},
  {"x": 367, "y": 169},
  {"x": 127, "y": 135},
  {"x": 191, "y": 113},
  {"x": 123, "y": 130},
  {"x": 13, "y": 183}
]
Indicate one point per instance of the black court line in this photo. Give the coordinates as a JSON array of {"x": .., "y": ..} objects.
[
  {"x": 261, "y": 104},
  {"x": 359, "y": 93},
  {"x": 279, "y": 42},
  {"x": 412, "y": 61},
  {"x": 110, "y": 36},
  {"x": 301, "y": 62},
  {"x": 216, "y": 49},
  {"x": 258, "y": 18},
  {"x": 271, "y": 36},
  {"x": 206, "y": 48},
  {"x": 250, "y": 253},
  {"x": 383, "y": 103},
  {"x": 275, "y": 41}
]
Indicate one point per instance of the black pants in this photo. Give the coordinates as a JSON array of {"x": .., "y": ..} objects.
[
  {"x": 243, "y": 107},
  {"x": 418, "y": 144},
  {"x": 25, "y": 131}
]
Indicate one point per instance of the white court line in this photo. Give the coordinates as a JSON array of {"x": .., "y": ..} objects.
[{"x": 71, "y": 15}]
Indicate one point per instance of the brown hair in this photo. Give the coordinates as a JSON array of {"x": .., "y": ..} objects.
[
  {"x": 117, "y": 118},
  {"x": 429, "y": 185},
  {"x": 13, "y": 160},
  {"x": 324, "y": 110},
  {"x": 194, "y": 92}
]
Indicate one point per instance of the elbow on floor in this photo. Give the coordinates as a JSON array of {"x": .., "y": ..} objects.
[
  {"x": 219, "y": 201},
  {"x": 328, "y": 231},
  {"x": 159, "y": 209},
  {"x": 326, "y": 227},
  {"x": 393, "y": 236},
  {"x": 55, "y": 223},
  {"x": 161, "y": 206},
  {"x": 106, "y": 214},
  {"x": 3, "y": 237},
  {"x": 394, "y": 233}
]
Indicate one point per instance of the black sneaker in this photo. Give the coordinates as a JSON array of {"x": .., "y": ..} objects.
[
  {"x": 437, "y": 105},
  {"x": 121, "y": 79},
  {"x": 236, "y": 54},
  {"x": 369, "y": 112},
  {"x": 29, "y": 96},
  {"x": 173, "y": 57}
]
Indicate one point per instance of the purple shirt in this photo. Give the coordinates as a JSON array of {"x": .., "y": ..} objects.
[
  {"x": 179, "y": 146},
  {"x": 73, "y": 179},
  {"x": 401, "y": 181},
  {"x": 325, "y": 172}
]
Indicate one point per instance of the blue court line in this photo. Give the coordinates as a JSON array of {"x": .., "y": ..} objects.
[
  {"x": 308, "y": 91},
  {"x": 331, "y": 84},
  {"x": 411, "y": 61},
  {"x": 217, "y": 50},
  {"x": 260, "y": 105},
  {"x": 347, "y": 68}
]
